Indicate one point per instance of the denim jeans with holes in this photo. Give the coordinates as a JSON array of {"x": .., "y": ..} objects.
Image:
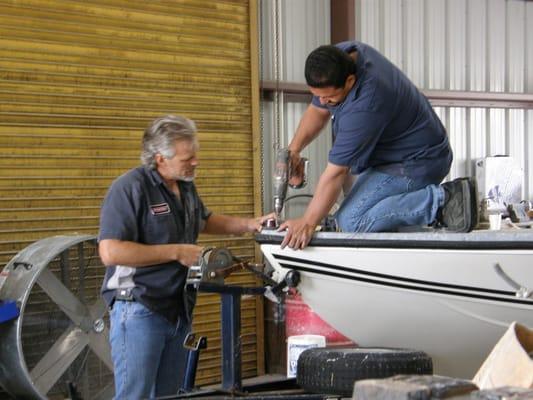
[
  {"x": 380, "y": 202},
  {"x": 147, "y": 350}
]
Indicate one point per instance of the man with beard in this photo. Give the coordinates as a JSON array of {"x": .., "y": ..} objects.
[{"x": 149, "y": 225}]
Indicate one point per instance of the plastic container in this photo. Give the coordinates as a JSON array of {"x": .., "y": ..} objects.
[
  {"x": 296, "y": 345},
  {"x": 495, "y": 222}
]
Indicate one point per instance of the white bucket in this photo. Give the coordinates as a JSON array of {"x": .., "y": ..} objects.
[{"x": 296, "y": 345}]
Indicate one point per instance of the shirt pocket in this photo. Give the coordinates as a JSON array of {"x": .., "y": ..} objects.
[{"x": 161, "y": 229}]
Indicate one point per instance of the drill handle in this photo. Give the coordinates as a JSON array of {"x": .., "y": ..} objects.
[{"x": 298, "y": 174}]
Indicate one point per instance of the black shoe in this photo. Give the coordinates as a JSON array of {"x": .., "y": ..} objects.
[{"x": 460, "y": 210}]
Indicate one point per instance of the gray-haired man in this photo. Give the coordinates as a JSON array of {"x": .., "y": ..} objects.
[{"x": 149, "y": 224}]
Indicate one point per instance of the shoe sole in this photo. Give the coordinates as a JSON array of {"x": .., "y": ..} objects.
[
  {"x": 471, "y": 197},
  {"x": 474, "y": 205}
]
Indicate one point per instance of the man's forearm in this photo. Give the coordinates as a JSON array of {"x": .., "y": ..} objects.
[
  {"x": 326, "y": 194},
  {"x": 225, "y": 224},
  {"x": 132, "y": 254}
]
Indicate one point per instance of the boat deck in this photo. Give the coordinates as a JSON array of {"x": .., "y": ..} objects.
[{"x": 515, "y": 239}]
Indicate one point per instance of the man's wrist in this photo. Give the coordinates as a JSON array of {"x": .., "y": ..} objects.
[
  {"x": 179, "y": 252},
  {"x": 294, "y": 149},
  {"x": 311, "y": 220}
]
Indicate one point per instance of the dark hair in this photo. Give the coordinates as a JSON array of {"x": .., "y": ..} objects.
[{"x": 328, "y": 66}]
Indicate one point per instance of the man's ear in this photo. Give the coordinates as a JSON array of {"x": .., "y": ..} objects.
[
  {"x": 159, "y": 159},
  {"x": 350, "y": 80}
]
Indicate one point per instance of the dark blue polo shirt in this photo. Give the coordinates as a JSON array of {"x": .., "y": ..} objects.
[
  {"x": 139, "y": 207},
  {"x": 385, "y": 122}
]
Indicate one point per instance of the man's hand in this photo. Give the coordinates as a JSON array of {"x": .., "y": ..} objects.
[
  {"x": 296, "y": 172},
  {"x": 225, "y": 224},
  {"x": 256, "y": 224},
  {"x": 189, "y": 254},
  {"x": 298, "y": 233}
]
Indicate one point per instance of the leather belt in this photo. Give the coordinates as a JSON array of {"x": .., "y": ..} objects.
[{"x": 124, "y": 295}]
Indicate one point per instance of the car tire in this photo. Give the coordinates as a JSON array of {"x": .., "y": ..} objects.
[{"x": 334, "y": 370}]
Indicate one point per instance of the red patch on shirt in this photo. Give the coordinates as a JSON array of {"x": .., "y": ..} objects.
[{"x": 160, "y": 209}]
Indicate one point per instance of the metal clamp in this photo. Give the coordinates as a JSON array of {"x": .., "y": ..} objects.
[{"x": 291, "y": 280}]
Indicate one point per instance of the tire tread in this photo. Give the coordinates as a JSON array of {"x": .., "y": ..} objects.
[{"x": 334, "y": 371}]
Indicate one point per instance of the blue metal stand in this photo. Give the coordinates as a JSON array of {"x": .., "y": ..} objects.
[
  {"x": 232, "y": 345},
  {"x": 192, "y": 360},
  {"x": 231, "y": 342},
  {"x": 231, "y": 331}
]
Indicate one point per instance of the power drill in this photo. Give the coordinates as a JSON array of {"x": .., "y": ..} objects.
[{"x": 283, "y": 172}]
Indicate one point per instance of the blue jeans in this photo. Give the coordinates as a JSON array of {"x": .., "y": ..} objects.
[
  {"x": 147, "y": 350},
  {"x": 379, "y": 202}
]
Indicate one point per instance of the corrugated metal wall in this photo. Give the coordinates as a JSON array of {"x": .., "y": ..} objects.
[
  {"x": 302, "y": 25},
  {"x": 475, "y": 45},
  {"x": 79, "y": 82},
  {"x": 316, "y": 153}
]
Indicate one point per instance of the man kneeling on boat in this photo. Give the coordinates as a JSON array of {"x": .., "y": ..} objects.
[{"x": 385, "y": 132}]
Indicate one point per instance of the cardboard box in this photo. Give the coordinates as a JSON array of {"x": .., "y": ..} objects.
[{"x": 509, "y": 363}]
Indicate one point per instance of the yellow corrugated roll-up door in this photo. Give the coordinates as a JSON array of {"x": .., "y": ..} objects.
[{"x": 79, "y": 82}]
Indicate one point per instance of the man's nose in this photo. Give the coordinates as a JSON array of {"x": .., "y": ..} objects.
[{"x": 323, "y": 100}]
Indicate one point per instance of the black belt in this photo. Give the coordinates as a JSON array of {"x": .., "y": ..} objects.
[{"x": 124, "y": 295}]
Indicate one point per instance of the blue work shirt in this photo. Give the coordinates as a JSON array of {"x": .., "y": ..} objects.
[
  {"x": 140, "y": 208},
  {"x": 386, "y": 123}
]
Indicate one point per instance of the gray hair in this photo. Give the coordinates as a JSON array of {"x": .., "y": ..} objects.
[{"x": 161, "y": 136}]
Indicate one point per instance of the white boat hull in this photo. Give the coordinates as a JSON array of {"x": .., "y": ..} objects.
[{"x": 449, "y": 302}]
